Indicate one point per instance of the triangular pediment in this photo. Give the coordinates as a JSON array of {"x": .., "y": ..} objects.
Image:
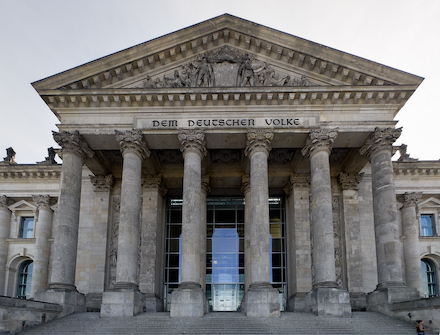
[
  {"x": 221, "y": 47},
  {"x": 430, "y": 202},
  {"x": 22, "y": 205}
]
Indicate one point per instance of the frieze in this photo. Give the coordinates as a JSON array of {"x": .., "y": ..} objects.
[
  {"x": 225, "y": 156},
  {"x": 170, "y": 156},
  {"x": 281, "y": 156},
  {"x": 225, "y": 67}
]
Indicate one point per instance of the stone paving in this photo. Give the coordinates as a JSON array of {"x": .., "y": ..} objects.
[{"x": 224, "y": 323}]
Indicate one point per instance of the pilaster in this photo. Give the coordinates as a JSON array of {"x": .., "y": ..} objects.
[
  {"x": 5, "y": 226},
  {"x": 246, "y": 190},
  {"x": 261, "y": 299}
]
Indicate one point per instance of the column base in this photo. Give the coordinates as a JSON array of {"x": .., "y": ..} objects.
[
  {"x": 297, "y": 303},
  {"x": 126, "y": 302},
  {"x": 71, "y": 301},
  {"x": 329, "y": 301},
  {"x": 188, "y": 300},
  {"x": 261, "y": 301},
  {"x": 153, "y": 303},
  {"x": 381, "y": 299}
]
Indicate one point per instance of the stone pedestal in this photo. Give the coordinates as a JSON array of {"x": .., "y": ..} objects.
[
  {"x": 380, "y": 300},
  {"x": 71, "y": 301},
  {"x": 262, "y": 301},
  {"x": 188, "y": 300},
  {"x": 122, "y": 303},
  {"x": 329, "y": 301}
]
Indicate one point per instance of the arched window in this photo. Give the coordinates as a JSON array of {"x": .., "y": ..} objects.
[
  {"x": 25, "y": 280},
  {"x": 429, "y": 278}
]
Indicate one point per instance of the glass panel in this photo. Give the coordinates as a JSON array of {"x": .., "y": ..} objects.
[
  {"x": 210, "y": 216},
  {"x": 174, "y": 261},
  {"x": 276, "y": 245},
  {"x": 427, "y": 221},
  {"x": 175, "y": 231},
  {"x": 175, "y": 215},
  {"x": 173, "y": 275},
  {"x": 276, "y": 260},
  {"x": 241, "y": 245},
  {"x": 275, "y": 230},
  {"x": 174, "y": 245},
  {"x": 225, "y": 216},
  {"x": 27, "y": 227},
  {"x": 209, "y": 245},
  {"x": 274, "y": 215}
]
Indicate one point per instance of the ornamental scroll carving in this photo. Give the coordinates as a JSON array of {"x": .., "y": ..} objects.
[
  {"x": 350, "y": 181},
  {"x": 224, "y": 67},
  {"x": 74, "y": 143},
  {"x": 381, "y": 139},
  {"x": 102, "y": 183},
  {"x": 259, "y": 139},
  {"x": 410, "y": 198},
  {"x": 193, "y": 140},
  {"x": 132, "y": 141},
  {"x": 319, "y": 139}
]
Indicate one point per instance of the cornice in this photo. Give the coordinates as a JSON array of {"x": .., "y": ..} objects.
[
  {"x": 30, "y": 171},
  {"x": 315, "y": 95}
]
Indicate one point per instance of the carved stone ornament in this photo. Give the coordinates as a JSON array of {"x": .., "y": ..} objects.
[
  {"x": 301, "y": 180},
  {"x": 350, "y": 181},
  {"x": 410, "y": 198},
  {"x": 5, "y": 202},
  {"x": 102, "y": 183},
  {"x": 205, "y": 184},
  {"x": 404, "y": 156},
  {"x": 10, "y": 157},
  {"x": 193, "y": 140},
  {"x": 380, "y": 139},
  {"x": 319, "y": 139},
  {"x": 170, "y": 156},
  {"x": 42, "y": 200},
  {"x": 73, "y": 142},
  {"x": 225, "y": 156},
  {"x": 50, "y": 159},
  {"x": 245, "y": 184},
  {"x": 259, "y": 139},
  {"x": 224, "y": 67},
  {"x": 155, "y": 182},
  {"x": 281, "y": 156},
  {"x": 132, "y": 141}
]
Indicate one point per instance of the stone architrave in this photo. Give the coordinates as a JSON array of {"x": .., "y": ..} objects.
[
  {"x": 188, "y": 300},
  {"x": 152, "y": 242},
  {"x": 261, "y": 299},
  {"x": 411, "y": 233},
  {"x": 391, "y": 287},
  {"x": 298, "y": 240},
  {"x": 5, "y": 227},
  {"x": 325, "y": 298},
  {"x": 126, "y": 299},
  {"x": 61, "y": 288},
  {"x": 43, "y": 231},
  {"x": 203, "y": 211},
  {"x": 350, "y": 219},
  {"x": 246, "y": 190}
]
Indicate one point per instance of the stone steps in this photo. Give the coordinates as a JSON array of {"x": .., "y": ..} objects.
[{"x": 224, "y": 323}]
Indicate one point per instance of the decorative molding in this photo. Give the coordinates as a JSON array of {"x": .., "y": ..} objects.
[
  {"x": 132, "y": 141},
  {"x": 154, "y": 182},
  {"x": 380, "y": 139},
  {"x": 350, "y": 181},
  {"x": 258, "y": 139},
  {"x": 31, "y": 173},
  {"x": 245, "y": 184},
  {"x": 206, "y": 188},
  {"x": 410, "y": 199},
  {"x": 102, "y": 183},
  {"x": 225, "y": 156},
  {"x": 319, "y": 139},
  {"x": 192, "y": 140},
  {"x": 73, "y": 143}
]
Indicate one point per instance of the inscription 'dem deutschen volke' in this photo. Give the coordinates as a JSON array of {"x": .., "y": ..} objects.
[{"x": 230, "y": 122}]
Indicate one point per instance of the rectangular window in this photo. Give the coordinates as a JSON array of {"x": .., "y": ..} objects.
[
  {"x": 27, "y": 227},
  {"x": 428, "y": 228}
]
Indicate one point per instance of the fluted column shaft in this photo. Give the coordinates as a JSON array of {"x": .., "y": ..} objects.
[
  {"x": 205, "y": 190},
  {"x": 411, "y": 233},
  {"x": 379, "y": 150},
  {"x": 246, "y": 190},
  {"x": 193, "y": 148},
  {"x": 5, "y": 224},
  {"x": 133, "y": 150},
  {"x": 258, "y": 148},
  {"x": 42, "y": 248},
  {"x": 318, "y": 148},
  {"x": 74, "y": 151}
]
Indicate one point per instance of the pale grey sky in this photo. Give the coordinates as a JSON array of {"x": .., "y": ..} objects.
[{"x": 42, "y": 38}]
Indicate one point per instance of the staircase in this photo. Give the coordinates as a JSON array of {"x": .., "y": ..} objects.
[{"x": 224, "y": 323}]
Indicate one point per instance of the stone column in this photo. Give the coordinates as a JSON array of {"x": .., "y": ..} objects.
[
  {"x": 127, "y": 300},
  {"x": 43, "y": 228},
  {"x": 410, "y": 225},
  {"x": 352, "y": 236},
  {"x": 205, "y": 191},
  {"x": 246, "y": 190},
  {"x": 61, "y": 287},
  {"x": 391, "y": 287},
  {"x": 261, "y": 299},
  {"x": 298, "y": 241},
  {"x": 152, "y": 242},
  {"x": 5, "y": 226},
  {"x": 325, "y": 299},
  {"x": 189, "y": 299}
]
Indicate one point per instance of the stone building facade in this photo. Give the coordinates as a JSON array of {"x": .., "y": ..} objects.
[{"x": 226, "y": 166}]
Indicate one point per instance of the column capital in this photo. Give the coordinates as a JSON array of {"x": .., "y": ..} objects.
[
  {"x": 350, "y": 181},
  {"x": 192, "y": 140},
  {"x": 154, "y": 181},
  {"x": 380, "y": 139},
  {"x": 5, "y": 202},
  {"x": 42, "y": 200},
  {"x": 206, "y": 188},
  {"x": 410, "y": 198},
  {"x": 258, "y": 140},
  {"x": 319, "y": 139},
  {"x": 73, "y": 143},
  {"x": 132, "y": 141},
  {"x": 245, "y": 184},
  {"x": 301, "y": 180},
  {"x": 102, "y": 183}
]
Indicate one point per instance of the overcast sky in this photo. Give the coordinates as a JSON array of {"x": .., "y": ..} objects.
[{"x": 42, "y": 38}]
